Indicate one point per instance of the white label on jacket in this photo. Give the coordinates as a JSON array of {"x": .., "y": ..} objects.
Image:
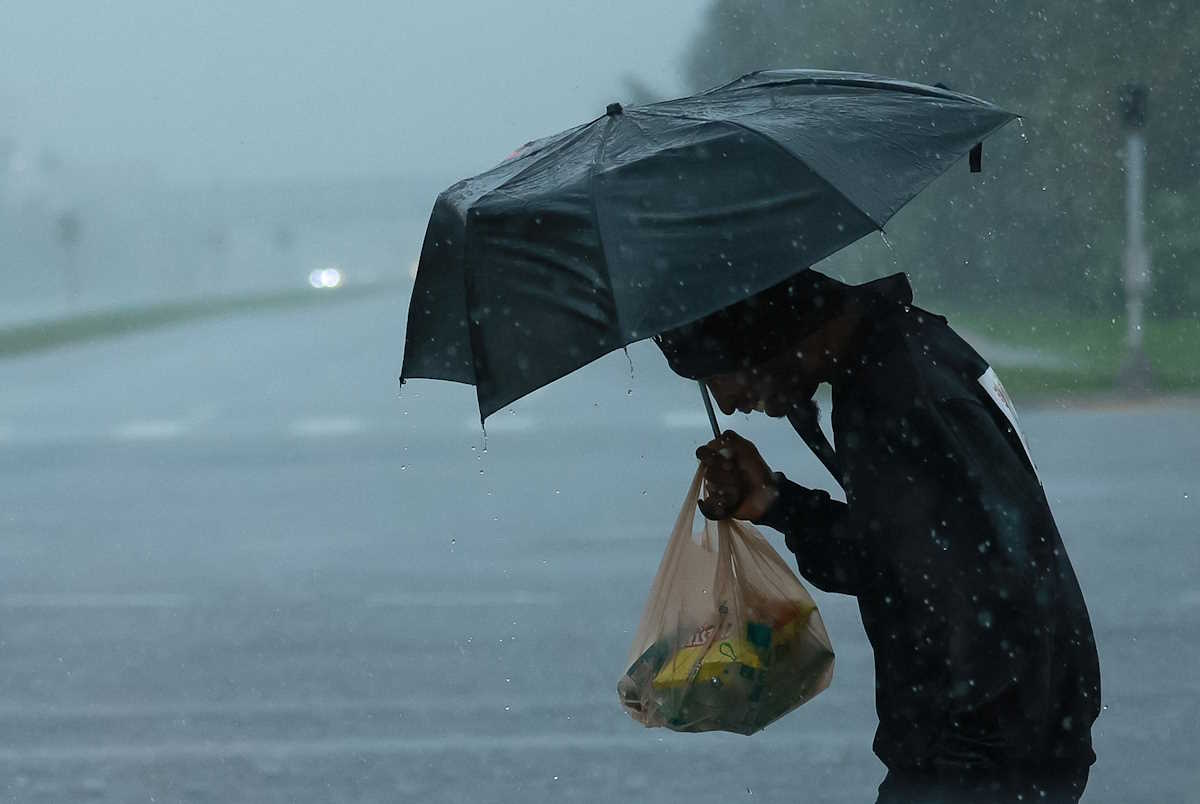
[{"x": 991, "y": 384}]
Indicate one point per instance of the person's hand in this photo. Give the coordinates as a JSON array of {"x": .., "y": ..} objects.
[{"x": 737, "y": 480}]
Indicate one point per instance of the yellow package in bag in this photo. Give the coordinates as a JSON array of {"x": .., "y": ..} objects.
[{"x": 730, "y": 640}]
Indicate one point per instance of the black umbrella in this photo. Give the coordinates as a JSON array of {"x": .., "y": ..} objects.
[{"x": 651, "y": 217}]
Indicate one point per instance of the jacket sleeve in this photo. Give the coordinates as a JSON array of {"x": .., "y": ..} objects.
[{"x": 815, "y": 528}]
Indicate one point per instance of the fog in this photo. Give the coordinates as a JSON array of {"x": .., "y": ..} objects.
[
  {"x": 230, "y": 92},
  {"x": 164, "y": 151}
]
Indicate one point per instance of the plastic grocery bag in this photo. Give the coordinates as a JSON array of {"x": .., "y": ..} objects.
[{"x": 730, "y": 640}]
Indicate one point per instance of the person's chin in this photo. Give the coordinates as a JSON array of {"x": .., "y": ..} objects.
[
  {"x": 777, "y": 410},
  {"x": 780, "y": 408}
]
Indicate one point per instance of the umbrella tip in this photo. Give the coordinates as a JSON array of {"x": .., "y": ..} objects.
[{"x": 614, "y": 109}]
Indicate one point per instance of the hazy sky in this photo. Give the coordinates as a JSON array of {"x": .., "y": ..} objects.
[{"x": 219, "y": 90}]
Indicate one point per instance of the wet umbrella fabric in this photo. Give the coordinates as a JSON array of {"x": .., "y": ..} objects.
[{"x": 651, "y": 217}]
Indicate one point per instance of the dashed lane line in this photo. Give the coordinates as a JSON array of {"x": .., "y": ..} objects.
[
  {"x": 151, "y": 429},
  {"x": 462, "y": 600},
  {"x": 685, "y": 420},
  {"x": 326, "y": 426},
  {"x": 635, "y": 740},
  {"x": 98, "y": 600}
]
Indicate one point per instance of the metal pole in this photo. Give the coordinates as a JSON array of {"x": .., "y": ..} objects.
[
  {"x": 1136, "y": 278},
  {"x": 1135, "y": 370},
  {"x": 708, "y": 405}
]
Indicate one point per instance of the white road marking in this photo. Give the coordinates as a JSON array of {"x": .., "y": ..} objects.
[
  {"x": 151, "y": 429},
  {"x": 461, "y": 600},
  {"x": 326, "y": 426},
  {"x": 98, "y": 600},
  {"x": 816, "y": 744},
  {"x": 685, "y": 420},
  {"x": 192, "y": 708},
  {"x": 1190, "y": 599}
]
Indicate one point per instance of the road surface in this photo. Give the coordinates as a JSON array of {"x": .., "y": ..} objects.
[{"x": 239, "y": 566}]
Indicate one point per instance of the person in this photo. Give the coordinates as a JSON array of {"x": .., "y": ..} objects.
[{"x": 987, "y": 676}]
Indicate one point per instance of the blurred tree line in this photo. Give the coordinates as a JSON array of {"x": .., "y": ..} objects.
[{"x": 1046, "y": 218}]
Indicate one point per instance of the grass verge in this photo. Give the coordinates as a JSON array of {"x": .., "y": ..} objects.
[
  {"x": 1092, "y": 348},
  {"x": 42, "y": 335}
]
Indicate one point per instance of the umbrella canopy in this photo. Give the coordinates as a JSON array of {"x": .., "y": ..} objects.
[{"x": 651, "y": 217}]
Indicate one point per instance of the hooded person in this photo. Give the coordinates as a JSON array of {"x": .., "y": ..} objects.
[{"x": 987, "y": 676}]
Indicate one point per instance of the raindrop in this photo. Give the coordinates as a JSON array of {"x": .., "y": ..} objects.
[
  {"x": 453, "y": 541},
  {"x": 556, "y": 491},
  {"x": 481, "y": 470},
  {"x": 403, "y": 466}
]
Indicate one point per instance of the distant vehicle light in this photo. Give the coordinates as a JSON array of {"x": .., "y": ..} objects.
[{"x": 324, "y": 278}]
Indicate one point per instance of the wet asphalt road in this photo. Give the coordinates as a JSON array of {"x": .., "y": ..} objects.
[{"x": 237, "y": 567}]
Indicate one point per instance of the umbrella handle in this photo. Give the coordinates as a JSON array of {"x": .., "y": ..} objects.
[{"x": 708, "y": 405}]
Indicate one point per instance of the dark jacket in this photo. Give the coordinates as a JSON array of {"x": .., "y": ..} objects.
[{"x": 984, "y": 653}]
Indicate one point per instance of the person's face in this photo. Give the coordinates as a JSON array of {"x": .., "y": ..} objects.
[{"x": 776, "y": 386}]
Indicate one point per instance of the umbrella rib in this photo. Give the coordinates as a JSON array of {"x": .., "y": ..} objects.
[
  {"x": 852, "y": 80},
  {"x": 879, "y": 85},
  {"x": 644, "y": 131},
  {"x": 499, "y": 189},
  {"x": 591, "y": 185},
  {"x": 762, "y": 136},
  {"x": 537, "y": 160},
  {"x": 804, "y": 162}
]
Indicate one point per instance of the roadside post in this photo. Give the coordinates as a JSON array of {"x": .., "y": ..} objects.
[{"x": 1135, "y": 374}]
